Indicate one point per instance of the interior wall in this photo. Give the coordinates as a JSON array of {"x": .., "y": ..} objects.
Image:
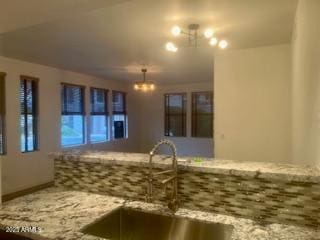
[
  {"x": 306, "y": 83},
  {"x": 253, "y": 104},
  {"x": 151, "y": 115},
  {"x": 24, "y": 170}
]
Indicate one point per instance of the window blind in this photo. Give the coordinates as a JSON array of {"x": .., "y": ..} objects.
[
  {"x": 72, "y": 99},
  {"x": 175, "y": 114},
  {"x": 29, "y": 113},
  {"x": 202, "y": 114},
  {"x": 2, "y": 112},
  {"x": 99, "y": 101},
  {"x": 118, "y": 102}
]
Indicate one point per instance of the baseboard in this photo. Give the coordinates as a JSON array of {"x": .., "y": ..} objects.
[{"x": 23, "y": 192}]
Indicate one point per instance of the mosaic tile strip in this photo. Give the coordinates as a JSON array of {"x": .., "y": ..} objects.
[
  {"x": 267, "y": 201},
  {"x": 275, "y": 171}
]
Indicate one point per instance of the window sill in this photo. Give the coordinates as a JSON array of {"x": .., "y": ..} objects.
[
  {"x": 72, "y": 146},
  {"x": 93, "y": 143},
  {"x": 202, "y": 137},
  {"x": 176, "y": 136},
  {"x": 30, "y": 151},
  {"x": 119, "y": 139}
]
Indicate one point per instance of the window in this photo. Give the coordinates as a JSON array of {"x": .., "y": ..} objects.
[
  {"x": 119, "y": 115},
  {"x": 73, "y": 114},
  {"x": 29, "y": 113},
  {"x": 99, "y": 115},
  {"x": 2, "y": 112},
  {"x": 202, "y": 114},
  {"x": 175, "y": 114}
]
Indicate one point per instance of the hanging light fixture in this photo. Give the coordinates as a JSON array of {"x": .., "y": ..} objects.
[
  {"x": 144, "y": 86},
  {"x": 194, "y": 37}
]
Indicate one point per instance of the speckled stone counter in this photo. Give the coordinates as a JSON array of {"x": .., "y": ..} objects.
[
  {"x": 61, "y": 215},
  {"x": 266, "y": 170}
]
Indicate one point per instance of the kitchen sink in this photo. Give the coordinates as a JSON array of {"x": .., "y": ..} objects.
[{"x": 129, "y": 224}]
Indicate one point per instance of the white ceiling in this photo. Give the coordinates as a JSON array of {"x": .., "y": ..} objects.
[
  {"x": 113, "y": 39},
  {"x": 15, "y": 14}
]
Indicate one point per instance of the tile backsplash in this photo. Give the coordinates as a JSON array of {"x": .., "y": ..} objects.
[{"x": 261, "y": 199}]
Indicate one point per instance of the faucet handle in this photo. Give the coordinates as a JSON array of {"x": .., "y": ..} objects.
[
  {"x": 148, "y": 198},
  {"x": 173, "y": 205},
  {"x": 165, "y": 191}
]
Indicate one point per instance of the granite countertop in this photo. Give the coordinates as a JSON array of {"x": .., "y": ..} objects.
[
  {"x": 266, "y": 170},
  {"x": 61, "y": 214}
]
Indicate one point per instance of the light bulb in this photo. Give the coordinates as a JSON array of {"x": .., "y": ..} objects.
[
  {"x": 213, "y": 41},
  {"x": 208, "y": 33},
  {"x": 176, "y": 31},
  {"x": 223, "y": 44},
  {"x": 171, "y": 47},
  {"x": 152, "y": 87},
  {"x": 136, "y": 87},
  {"x": 144, "y": 88}
]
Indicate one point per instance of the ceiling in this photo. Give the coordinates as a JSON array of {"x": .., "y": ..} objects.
[
  {"x": 114, "y": 39},
  {"x": 15, "y": 14}
]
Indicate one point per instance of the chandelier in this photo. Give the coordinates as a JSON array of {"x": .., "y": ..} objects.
[
  {"x": 144, "y": 86},
  {"x": 193, "y": 37}
]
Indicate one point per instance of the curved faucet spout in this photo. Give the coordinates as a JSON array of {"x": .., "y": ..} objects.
[
  {"x": 173, "y": 203},
  {"x": 164, "y": 142}
]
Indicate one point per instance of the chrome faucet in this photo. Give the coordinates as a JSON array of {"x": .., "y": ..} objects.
[{"x": 173, "y": 202}]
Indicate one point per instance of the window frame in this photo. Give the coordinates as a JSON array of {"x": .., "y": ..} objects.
[
  {"x": 3, "y": 112},
  {"x": 194, "y": 114},
  {"x": 83, "y": 113},
  {"x": 106, "y": 113},
  {"x": 124, "y": 113},
  {"x": 35, "y": 112},
  {"x": 183, "y": 114}
]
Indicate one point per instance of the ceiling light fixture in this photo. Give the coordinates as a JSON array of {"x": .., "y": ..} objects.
[
  {"x": 194, "y": 37},
  {"x": 176, "y": 31},
  {"x": 208, "y": 33},
  {"x": 213, "y": 41},
  {"x": 223, "y": 44},
  {"x": 144, "y": 86},
  {"x": 171, "y": 47}
]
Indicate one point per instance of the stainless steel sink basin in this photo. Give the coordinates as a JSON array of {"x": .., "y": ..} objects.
[{"x": 128, "y": 224}]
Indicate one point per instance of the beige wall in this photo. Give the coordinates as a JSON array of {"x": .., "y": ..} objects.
[
  {"x": 23, "y": 170},
  {"x": 151, "y": 115},
  {"x": 306, "y": 83},
  {"x": 253, "y": 104}
]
